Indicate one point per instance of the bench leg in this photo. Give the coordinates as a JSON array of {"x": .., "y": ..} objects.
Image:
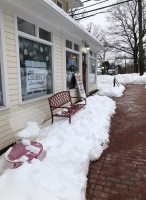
[
  {"x": 70, "y": 119},
  {"x": 52, "y": 120}
]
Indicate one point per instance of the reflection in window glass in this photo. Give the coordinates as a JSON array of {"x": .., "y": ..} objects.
[
  {"x": 1, "y": 91},
  {"x": 92, "y": 71},
  {"x": 72, "y": 66},
  {"x": 25, "y": 26},
  {"x": 68, "y": 44},
  {"x": 76, "y": 47},
  {"x": 45, "y": 35},
  {"x": 36, "y": 69}
]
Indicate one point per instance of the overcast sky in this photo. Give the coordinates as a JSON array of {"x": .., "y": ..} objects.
[{"x": 99, "y": 19}]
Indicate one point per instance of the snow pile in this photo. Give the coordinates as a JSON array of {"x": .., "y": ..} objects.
[
  {"x": 62, "y": 174},
  {"x": 33, "y": 149},
  {"x": 25, "y": 142},
  {"x": 31, "y": 130},
  {"x": 105, "y": 86},
  {"x": 131, "y": 78}
]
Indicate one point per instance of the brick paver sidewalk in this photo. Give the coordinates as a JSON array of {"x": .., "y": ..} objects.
[{"x": 120, "y": 173}]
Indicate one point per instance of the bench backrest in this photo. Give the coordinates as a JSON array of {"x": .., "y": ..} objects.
[{"x": 59, "y": 99}]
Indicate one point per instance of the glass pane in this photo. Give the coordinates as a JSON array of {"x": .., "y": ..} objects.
[
  {"x": 90, "y": 53},
  {"x": 25, "y": 26},
  {"x": 1, "y": 91},
  {"x": 36, "y": 69},
  {"x": 94, "y": 55},
  {"x": 59, "y": 4},
  {"x": 76, "y": 47},
  {"x": 45, "y": 35},
  {"x": 72, "y": 66},
  {"x": 92, "y": 71},
  {"x": 68, "y": 44}
]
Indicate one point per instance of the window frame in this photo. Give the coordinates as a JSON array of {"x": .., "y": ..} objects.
[
  {"x": 75, "y": 52},
  {"x": 92, "y": 57},
  {"x": 4, "y": 72},
  {"x": 35, "y": 39}
]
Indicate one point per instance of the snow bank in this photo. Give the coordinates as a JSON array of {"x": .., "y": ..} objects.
[
  {"x": 131, "y": 78},
  {"x": 105, "y": 83},
  {"x": 62, "y": 174},
  {"x": 105, "y": 86}
]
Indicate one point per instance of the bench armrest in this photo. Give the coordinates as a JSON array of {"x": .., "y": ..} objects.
[{"x": 80, "y": 98}]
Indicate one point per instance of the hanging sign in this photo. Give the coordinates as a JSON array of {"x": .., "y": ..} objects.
[{"x": 80, "y": 85}]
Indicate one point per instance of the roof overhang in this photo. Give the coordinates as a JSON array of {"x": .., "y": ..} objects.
[
  {"x": 48, "y": 14},
  {"x": 74, "y": 4}
]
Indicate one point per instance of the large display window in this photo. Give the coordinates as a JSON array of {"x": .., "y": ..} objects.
[
  {"x": 35, "y": 58},
  {"x": 72, "y": 66},
  {"x": 92, "y": 71},
  {"x": 72, "y": 63},
  {"x": 36, "y": 69}
]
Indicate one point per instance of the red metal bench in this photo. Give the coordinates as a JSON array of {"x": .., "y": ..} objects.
[{"x": 59, "y": 99}]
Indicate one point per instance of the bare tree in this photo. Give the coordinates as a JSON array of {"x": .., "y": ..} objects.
[
  {"x": 123, "y": 31},
  {"x": 99, "y": 33}
]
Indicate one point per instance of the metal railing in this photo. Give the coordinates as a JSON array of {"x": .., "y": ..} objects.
[{"x": 116, "y": 82}]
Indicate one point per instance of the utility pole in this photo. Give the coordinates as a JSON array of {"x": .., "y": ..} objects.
[{"x": 141, "y": 58}]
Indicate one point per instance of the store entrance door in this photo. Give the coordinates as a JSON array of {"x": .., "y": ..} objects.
[{"x": 84, "y": 66}]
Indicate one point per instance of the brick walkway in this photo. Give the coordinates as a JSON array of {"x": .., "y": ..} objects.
[{"x": 120, "y": 173}]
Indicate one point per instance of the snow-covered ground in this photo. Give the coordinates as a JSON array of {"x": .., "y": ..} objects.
[
  {"x": 62, "y": 173},
  {"x": 105, "y": 83},
  {"x": 131, "y": 78}
]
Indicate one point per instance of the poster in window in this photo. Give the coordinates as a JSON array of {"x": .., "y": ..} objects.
[
  {"x": 36, "y": 77},
  {"x": 80, "y": 85}
]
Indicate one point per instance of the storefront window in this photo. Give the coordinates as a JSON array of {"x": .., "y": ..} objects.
[
  {"x": 1, "y": 91},
  {"x": 36, "y": 69},
  {"x": 72, "y": 66},
  {"x": 92, "y": 71}
]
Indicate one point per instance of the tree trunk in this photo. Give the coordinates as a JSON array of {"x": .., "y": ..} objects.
[
  {"x": 141, "y": 61},
  {"x": 135, "y": 62}
]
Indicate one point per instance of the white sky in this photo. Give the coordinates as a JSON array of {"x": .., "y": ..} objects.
[{"x": 99, "y": 19}]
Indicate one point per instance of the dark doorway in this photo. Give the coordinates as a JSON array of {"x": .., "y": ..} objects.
[{"x": 84, "y": 65}]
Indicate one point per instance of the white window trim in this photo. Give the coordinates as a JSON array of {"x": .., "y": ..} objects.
[
  {"x": 4, "y": 64},
  {"x": 75, "y": 52},
  {"x": 60, "y": 3},
  {"x": 37, "y": 39}
]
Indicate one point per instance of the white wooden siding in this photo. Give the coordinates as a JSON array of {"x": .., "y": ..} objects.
[{"x": 6, "y": 133}]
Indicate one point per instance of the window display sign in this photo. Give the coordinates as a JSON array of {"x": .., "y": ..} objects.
[
  {"x": 36, "y": 79},
  {"x": 36, "y": 76},
  {"x": 80, "y": 85}
]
